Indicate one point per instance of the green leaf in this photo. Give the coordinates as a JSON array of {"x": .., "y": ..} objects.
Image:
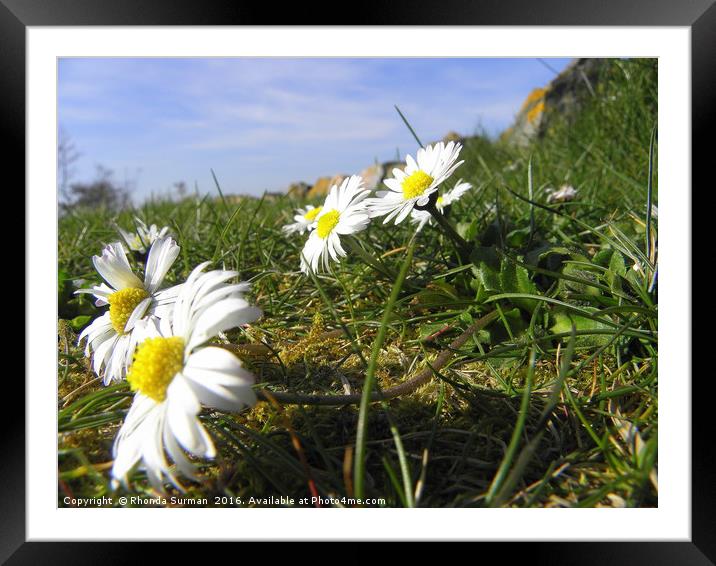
[
  {"x": 518, "y": 238},
  {"x": 468, "y": 230},
  {"x": 516, "y": 279},
  {"x": 563, "y": 324},
  {"x": 493, "y": 276},
  {"x": 548, "y": 256},
  {"x": 62, "y": 279},
  {"x": 80, "y": 321},
  {"x": 616, "y": 263},
  {"x": 616, "y": 271},
  {"x": 575, "y": 286},
  {"x": 430, "y": 328},
  {"x": 485, "y": 254},
  {"x": 603, "y": 256}
]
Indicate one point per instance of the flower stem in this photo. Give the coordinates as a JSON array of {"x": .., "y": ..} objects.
[
  {"x": 462, "y": 246},
  {"x": 373, "y": 262}
]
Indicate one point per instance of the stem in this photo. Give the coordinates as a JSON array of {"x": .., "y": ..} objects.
[
  {"x": 362, "y": 432},
  {"x": 462, "y": 246},
  {"x": 373, "y": 262}
]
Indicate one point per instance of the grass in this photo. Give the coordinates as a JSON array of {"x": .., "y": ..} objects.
[{"x": 553, "y": 403}]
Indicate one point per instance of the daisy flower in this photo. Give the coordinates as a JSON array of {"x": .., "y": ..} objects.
[
  {"x": 110, "y": 338},
  {"x": 143, "y": 236},
  {"x": 174, "y": 374},
  {"x": 414, "y": 186},
  {"x": 422, "y": 217},
  {"x": 343, "y": 213},
  {"x": 304, "y": 220},
  {"x": 453, "y": 195}
]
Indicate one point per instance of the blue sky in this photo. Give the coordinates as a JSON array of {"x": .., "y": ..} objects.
[{"x": 262, "y": 123}]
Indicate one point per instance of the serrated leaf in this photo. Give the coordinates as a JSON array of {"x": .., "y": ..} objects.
[
  {"x": 563, "y": 324},
  {"x": 485, "y": 254},
  {"x": 575, "y": 286},
  {"x": 616, "y": 263},
  {"x": 518, "y": 238},
  {"x": 516, "y": 279}
]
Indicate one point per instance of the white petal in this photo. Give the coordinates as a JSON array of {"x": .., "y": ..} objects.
[
  {"x": 114, "y": 268},
  {"x": 128, "y": 443},
  {"x": 177, "y": 454},
  {"x": 218, "y": 379},
  {"x": 137, "y": 313},
  {"x": 182, "y": 411},
  {"x": 219, "y": 317},
  {"x": 161, "y": 257}
]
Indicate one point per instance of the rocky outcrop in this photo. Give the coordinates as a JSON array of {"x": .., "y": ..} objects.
[
  {"x": 564, "y": 96},
  {"x": 373, "y": 175},
  {"x": 298, "y": 190},
  {"x": 453, "y": 137},
  {"x": 323, "y": 184}
]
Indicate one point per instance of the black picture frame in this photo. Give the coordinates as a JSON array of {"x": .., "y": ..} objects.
[{"x": 699, "y": 15}]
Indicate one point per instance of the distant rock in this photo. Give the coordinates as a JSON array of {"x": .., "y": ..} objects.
[
  {"x": 372, "y": 176},
  {"x": 319, "y": 188},
  {"x": 273, "y": 195},
  {"x": 564, "y": 96},
  {"x": 453, "y": 137},
  {"x": 323, "y": 184},
  {"x": 298, "y": 190},
  {"x": 337, "y": 180}
]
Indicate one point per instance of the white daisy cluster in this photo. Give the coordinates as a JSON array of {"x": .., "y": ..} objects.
[
  {"x": 348, "y": 210},
  {"x": 156, "y": 338}
]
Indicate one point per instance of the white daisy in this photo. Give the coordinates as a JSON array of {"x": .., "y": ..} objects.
[
  {"x": 422, "y": 217},
  {"x": 453, "y": 195},
  {"x": 414, "y": 186},
  {"x": 343, "y": 213},
  {"x": 305, "y": 220},
  {"x": 173, "y": 375},
  {"x": 143, "y": 236},
  {"x": 110, "y": 338}
]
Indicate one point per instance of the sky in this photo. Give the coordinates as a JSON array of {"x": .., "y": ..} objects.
[{"x": 263, "y": 123}]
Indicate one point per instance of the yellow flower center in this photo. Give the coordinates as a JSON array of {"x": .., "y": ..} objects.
[
  {"x": 156, "y": 362},
  {"x": 121, "y": 305},
  {"x": 415, "y": 184},
  {"x": 311, "y": 214},
  {"x": 327, "y": 223}
]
